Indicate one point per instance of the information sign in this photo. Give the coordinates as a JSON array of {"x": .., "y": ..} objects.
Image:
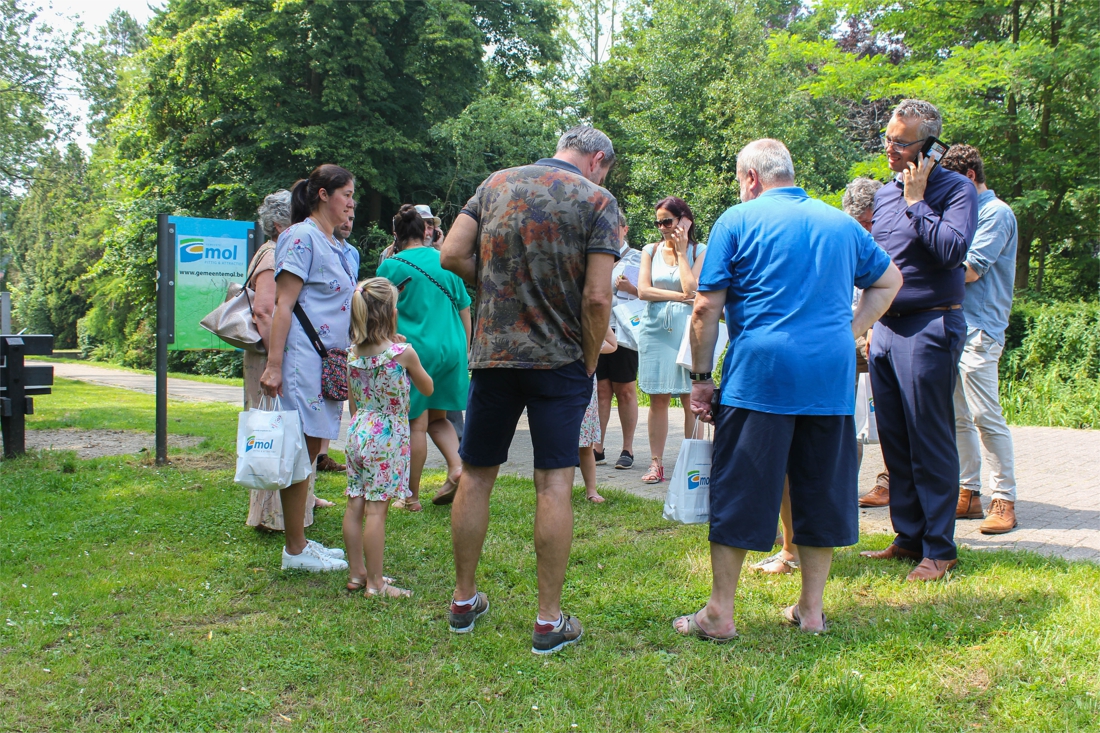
[{"x": 210, "y": 254}]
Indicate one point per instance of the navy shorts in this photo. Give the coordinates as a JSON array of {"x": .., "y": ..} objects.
[
  {"x": 555, "y": 400},
  {"x": 753, "y": 451}
]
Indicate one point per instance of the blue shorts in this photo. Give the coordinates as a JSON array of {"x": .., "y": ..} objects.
[
  {"x": 753, "y": 451},
  {"x": 555, "y": 400}
]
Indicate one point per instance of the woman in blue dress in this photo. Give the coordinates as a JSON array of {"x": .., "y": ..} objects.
[
  {"x": 311, "y": 268},
  {"x": 667, "y": 281}
]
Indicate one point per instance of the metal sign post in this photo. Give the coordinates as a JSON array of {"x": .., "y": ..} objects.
[
  {"x": 166, "y": 296},
  {"x": 196, "y": 261}
]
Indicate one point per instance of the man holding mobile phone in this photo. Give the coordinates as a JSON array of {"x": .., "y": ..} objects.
[{"x": 925, "y": 220}]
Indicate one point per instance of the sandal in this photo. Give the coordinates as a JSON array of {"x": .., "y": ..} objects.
[
  {"x": 355, "y": 584},
  {"x": 790, "y": 614},
  {"x": 413, "y": 505},
  {"x": 655, "y": 474},
  {"x": 389, "y": 591},
  {"x": 783, "y": 565},
  {"x": 446, "y": 493},
  {"x": 694, "y": 629},
  {"x": 596, "y": 499}
]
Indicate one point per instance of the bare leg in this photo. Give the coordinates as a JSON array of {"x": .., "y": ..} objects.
[
  {"x": 418, "y": 441},
  {"x": 689, "y": 416},
  {"x": 469, "y": 523},
  {"x": 815, "y": 562},
  {"x": 603, "y": 402},
  {"x": 353, "y": 537},
  {"x": 553, "y": 535},
  {"x": 716, "y": 618},
  {"x": 588, "y": 470},
  {"x": 374, "y": 545},
  {"x": 627, "y": 397},
  {"x": 790, "y": 550},
  {"x": 658, "y": 424},
  {"x": 443, "y": 434},
  {"x": 293, "y": 498}
]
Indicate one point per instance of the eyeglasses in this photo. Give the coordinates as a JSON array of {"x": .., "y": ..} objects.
[
  {"x": 888, "y": 143},
  {"x": 664, "y": 223}
]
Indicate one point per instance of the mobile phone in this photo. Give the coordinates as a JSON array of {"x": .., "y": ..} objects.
[
  {"x": 401, "y": 285},
  {"x": 934, "y": 149}
]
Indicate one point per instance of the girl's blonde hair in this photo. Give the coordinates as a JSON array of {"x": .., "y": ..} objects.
[{"x": 373, "y": 314}]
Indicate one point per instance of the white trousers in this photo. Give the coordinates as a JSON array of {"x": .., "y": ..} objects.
[{"x": 979, "y": 422}]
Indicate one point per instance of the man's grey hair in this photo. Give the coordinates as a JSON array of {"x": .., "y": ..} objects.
[
  {"x": 274, "y": 210},
  {"x": 587, "y": 140},
  {"x": 769, "y": 158},
  {"x": 859, "y": 195},
  {"x": 931, "y": 123}
]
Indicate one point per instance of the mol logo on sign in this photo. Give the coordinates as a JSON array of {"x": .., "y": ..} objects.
[
  {"x": 194, "y": 249},
  {"x": 695, "y": 480},
  {"x": 258, "y": 444}
]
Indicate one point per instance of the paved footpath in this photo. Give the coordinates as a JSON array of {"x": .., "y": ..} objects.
[{"x": 1057, "y": 470}]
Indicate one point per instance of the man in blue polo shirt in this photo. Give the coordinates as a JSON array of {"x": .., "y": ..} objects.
[
  {"x": 784, "y": 266},
  {"x": 925, "y": 220}
]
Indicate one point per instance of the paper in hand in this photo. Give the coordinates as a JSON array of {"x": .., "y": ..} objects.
[{"x": 631, "y": 273}]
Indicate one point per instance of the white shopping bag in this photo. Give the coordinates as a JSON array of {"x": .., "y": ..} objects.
[
  {"x": 683, "y": 357},
  {"x": 628, "y": 316},
  {"x": 866, "y": 425},
  {"x": 269, "y": 445},
  {"x": 688, "y": 499}
]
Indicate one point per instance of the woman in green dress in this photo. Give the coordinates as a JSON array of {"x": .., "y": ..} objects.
[{"x": 434, "y": 316}]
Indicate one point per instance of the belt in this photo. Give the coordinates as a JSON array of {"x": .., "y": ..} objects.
[{"x": 899, "y": 314}]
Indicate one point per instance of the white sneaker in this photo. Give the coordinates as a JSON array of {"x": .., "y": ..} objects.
[
  {"x": 335, "y": 552},
  {"x": 312, "y": 561}
]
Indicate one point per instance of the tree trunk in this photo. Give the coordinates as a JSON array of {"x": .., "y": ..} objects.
[{"x": 1023, "y": 251}]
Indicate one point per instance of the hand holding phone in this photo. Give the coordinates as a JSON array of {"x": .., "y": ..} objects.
[{"x": 934, "y": 149}]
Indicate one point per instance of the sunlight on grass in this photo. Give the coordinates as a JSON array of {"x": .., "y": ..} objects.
[{"x": 135, "y": 598}]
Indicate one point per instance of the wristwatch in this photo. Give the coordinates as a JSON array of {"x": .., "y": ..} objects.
[{"x": 703, "y": 377}]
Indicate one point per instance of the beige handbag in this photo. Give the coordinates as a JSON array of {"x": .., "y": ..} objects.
[{"x": 232, "y": 320}]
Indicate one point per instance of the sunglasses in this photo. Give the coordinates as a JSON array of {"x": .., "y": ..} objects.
[{"x": 664, "y": 223}]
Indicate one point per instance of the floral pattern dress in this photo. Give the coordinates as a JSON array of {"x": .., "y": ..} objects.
[
  {"x": 378, "y": 447},
  {"x": 590, "y": 426}
]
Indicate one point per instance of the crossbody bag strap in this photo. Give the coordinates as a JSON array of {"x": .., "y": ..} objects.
[
  {"x": 311, "y": 332},
  {"x": 434, "y": 281}
]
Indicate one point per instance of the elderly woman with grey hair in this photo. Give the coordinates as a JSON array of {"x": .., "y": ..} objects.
[
  {"x": 265, "y": 509},
  {"x": 859, "y": 200}
]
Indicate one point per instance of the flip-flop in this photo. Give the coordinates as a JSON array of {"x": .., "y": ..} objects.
[
  {"x": 786, "y": 566},
  {"x": 790, "y": 614},
  {"x": 413, "y": 506},
  {"x": 694, "y": 629},
  {"x": 355, "y": 584},
  {"x": 597, "y": 499}
]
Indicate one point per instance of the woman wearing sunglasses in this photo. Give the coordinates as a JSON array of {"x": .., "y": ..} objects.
[{"x": 667, "y": 280}]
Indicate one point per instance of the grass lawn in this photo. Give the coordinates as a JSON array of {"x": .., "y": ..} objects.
[{"x": 135, "y": 598}]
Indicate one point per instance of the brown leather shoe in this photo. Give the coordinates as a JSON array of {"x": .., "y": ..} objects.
[
  {"x": 878, "y": 496},
  {"x": 969, "y": 506},
  {"x": 1001, "y": 519},
  {"x": 930, "y": 569},
  {"x": 893, "y": 552},
  {"x": 325, "y": 463}
]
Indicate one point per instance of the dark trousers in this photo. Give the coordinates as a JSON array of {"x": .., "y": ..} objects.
[{"x": 914, "y": 364}]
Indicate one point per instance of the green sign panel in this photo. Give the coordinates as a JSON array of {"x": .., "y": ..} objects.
[{"x": 210, "y": 254}]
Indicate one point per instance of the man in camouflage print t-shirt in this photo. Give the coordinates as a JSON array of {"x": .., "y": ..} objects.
[{"x": 538, "y": 242}]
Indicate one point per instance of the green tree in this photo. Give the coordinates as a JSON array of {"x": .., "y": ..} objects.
[
  {"x": 678, "y": 115},
  {"x": 101, "y": 63},
  {"x": 1017, "y": 79},
  {"x": 51, "y": 248}
]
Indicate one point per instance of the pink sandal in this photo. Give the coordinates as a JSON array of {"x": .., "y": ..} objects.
[{"x": 655, "y": 474}]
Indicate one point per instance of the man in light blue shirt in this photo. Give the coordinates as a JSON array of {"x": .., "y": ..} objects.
[
  {"x": 990, "y": 275},
  {"x": 783, "y": 266}
]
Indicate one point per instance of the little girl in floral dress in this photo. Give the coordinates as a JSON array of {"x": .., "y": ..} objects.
[
  {"x": 590, "y": 429},
  {"x": 378, "y": 448}
]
